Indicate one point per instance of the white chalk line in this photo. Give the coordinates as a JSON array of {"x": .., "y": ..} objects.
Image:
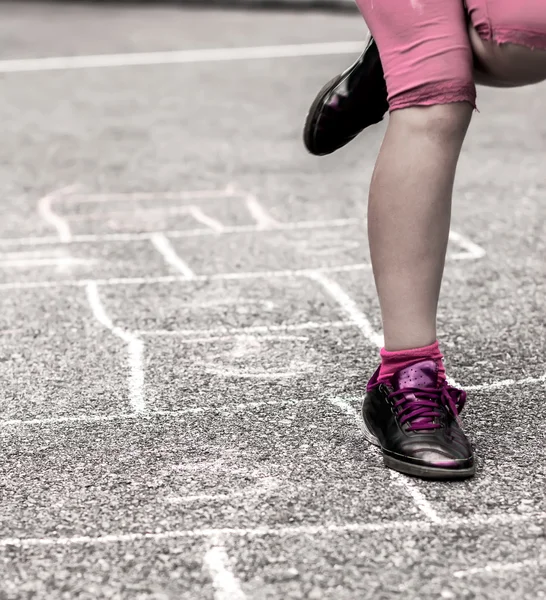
[
  {"x": 225, "y": 583},
  {"x": 55, "y": 261},
  {"x": 143, "y": 214},
  {"x": 418, "y": 526},
  {"x": 202, "y": 194},
  {"x": 150, "y": 415},
  {"x": 45, "y": 210},
  {"x": 94, "y": 61},
  {"x": 162, "y": 244},
  {"x": 242, "y": 275},
  {"x": 470, "y": 249},
  {"x": 214, "y": 228},
  {"x": 248, "y": 373},
  {"x": 492, "y": 568},
  {"x": 197, "y": 213},
  {"x": 135, "y": 348},
  {"x": 174, "y": 413},
  {"x": 181, "y": 233},
  {"x": 505, "y": 383},
  {"x": 263, "y": 219},
  {"x": 418, "y": 498},
  {"x": 345, "y": 406},
  {"x": 219, "y": 333},
  {"x": 266, "y": 485},
  {"x": 40, "y": 253},
  {"x": 349, "y": 306},
  {"x": 409, "y": 487}
]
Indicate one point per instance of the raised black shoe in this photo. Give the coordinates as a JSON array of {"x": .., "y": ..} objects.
[
  {"x": 415, "y": 422},
  {"x": 347, "y": 104}
]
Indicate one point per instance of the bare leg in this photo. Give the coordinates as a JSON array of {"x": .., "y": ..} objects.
[
  {"x": 409, "y": 214},
  {"x": 506, "y": 65}
]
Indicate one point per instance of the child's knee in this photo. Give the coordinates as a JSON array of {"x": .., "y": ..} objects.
[{"x": 445, "y": 122}]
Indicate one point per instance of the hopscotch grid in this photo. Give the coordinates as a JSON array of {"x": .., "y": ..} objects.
[
  {"x": 414, "y": 526},
  {"x": 75, "y": 419},
  {"x": 112, "y": 281},
  {"x": 272, "y": 226},
  {"x": 89, "y": 238},
  {"x": 60, "y": 222},
  {"x": 312, "y": 273}
]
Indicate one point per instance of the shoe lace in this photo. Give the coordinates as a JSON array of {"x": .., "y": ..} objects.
[{"x": 424, "y": 408}]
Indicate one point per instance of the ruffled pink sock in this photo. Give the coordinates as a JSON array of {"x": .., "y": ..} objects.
[{"x": 392, "y": 362}]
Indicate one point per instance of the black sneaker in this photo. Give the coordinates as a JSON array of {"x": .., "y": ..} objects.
[
  {"x": 347, "y": 104},
  {"x": 415, "y": 422}
]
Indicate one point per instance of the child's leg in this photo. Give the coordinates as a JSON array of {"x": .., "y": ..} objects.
[
  {"x": 427, "y": 60},
  {"x": 509, "y": 41},
  {"x": 409, "y": 409},
  {"x": 409, "y": 216}
]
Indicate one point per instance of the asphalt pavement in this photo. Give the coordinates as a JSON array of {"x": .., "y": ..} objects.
[{"x": 189, "y": 320}]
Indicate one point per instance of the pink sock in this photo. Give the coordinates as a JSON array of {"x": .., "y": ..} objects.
[{"x": 391, "y": 362}]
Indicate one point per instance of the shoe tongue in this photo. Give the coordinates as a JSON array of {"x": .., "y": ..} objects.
[{"x": 422, "y": 374}]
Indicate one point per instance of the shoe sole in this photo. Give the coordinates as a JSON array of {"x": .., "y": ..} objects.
[{"x": 416, "y": 470}]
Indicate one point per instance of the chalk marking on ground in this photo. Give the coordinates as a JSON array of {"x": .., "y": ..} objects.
[
  {"x": 492, "y": 568},
  {"x": 471, "y": 250},
  {"x": 40, "y": 253},
  {"x": 189, "y": 209},
  {"x": 213, "y": 193},
  {"x": 219, "y": 333},
  {"x": 409, "y": 487},
  {"x": 264, "y": 486},
  {"x": 165, "y": 248},
  {"x": 179, "y": 233},
  {"x": 135, "y": 348},
  {"x": 246, "y": 373},
  {"x": 225, "y": 583},
  {"x": 251, "y": 345},
  {"x": 263, "y": 219},
  {"x": 198, "y": 214},
  {"x": 505, "y": 383},
  {"x": 336, "y": 292},
  {"x": 265, "y": 305},
  {"x": 288, "y": 273},
  {"x": 56, "y": 261},
  {"x": 344, "y": 405},
  {"x": 56, "y": 63},
  {"x": 418, "y": 498},
  {"x": 417, "y": 526},
  {"x": 45, "y": 210},
  {"x": 149, "y": 415}
]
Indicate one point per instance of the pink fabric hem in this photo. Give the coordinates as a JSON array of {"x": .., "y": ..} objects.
[
  {"x": 431, "y": 94},
  {"x": 534, "y": 40}
]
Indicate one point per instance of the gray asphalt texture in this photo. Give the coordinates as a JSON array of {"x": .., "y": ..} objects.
[{"x": 245, "y": 475}]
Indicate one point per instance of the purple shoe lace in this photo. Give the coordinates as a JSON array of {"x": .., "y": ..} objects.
[{"x": 423, "y": 408}]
